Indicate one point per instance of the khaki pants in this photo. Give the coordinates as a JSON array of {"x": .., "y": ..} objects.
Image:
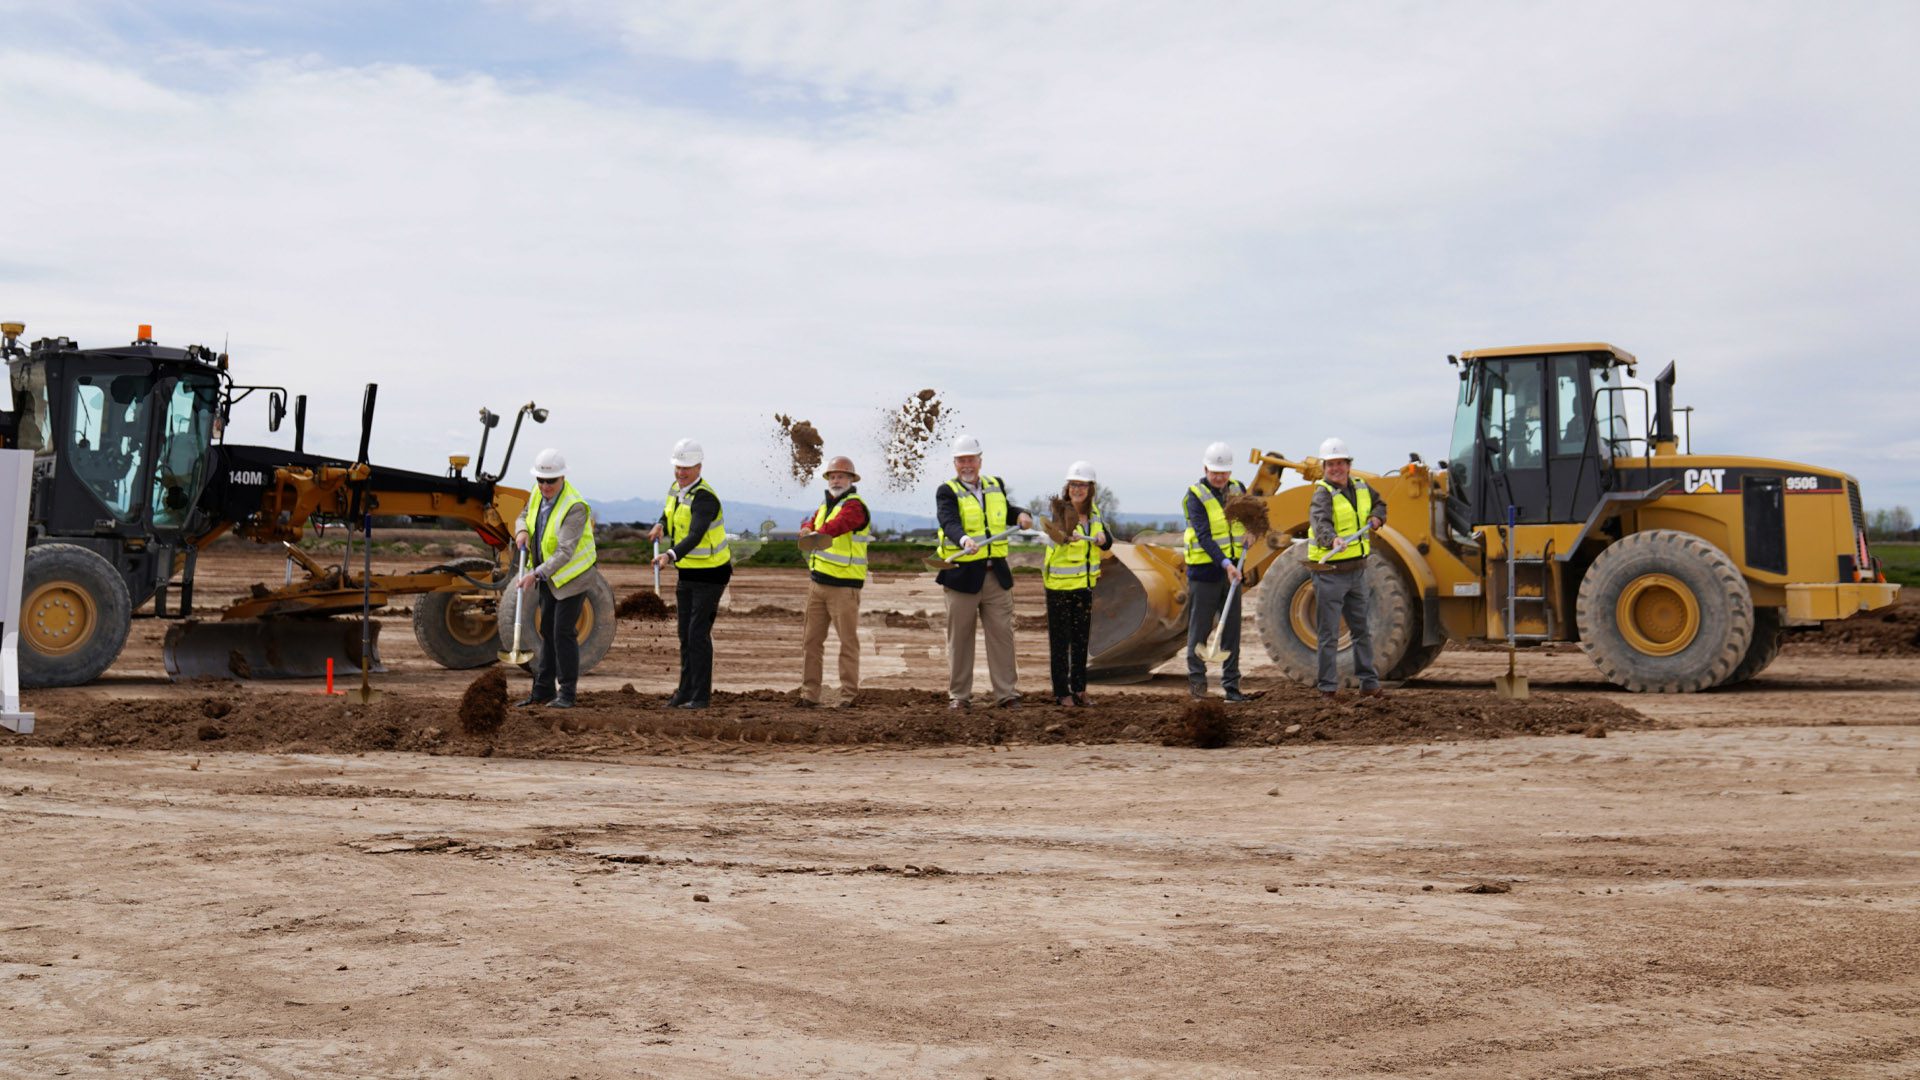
[
  {"x": 841, "y": 607},
  {"x": 992, "y": 610}
]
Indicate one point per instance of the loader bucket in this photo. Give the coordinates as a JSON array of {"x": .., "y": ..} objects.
[
  {"x": 268, "y": 649},
  {"x": 1139, "y": 612}
]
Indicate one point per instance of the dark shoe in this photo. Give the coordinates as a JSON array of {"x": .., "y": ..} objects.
[
  {"x": 1197, "y": 691},
  {"x": 530, "y": 701},
  {"x": 848, "y": 703},
  {"x": 956, "y": 703},
  {"x": 1378, "y": 691},
  {"x": 1330, "y": 695},
  {"x": 1080, "y": 699},
  {"x": 1065, "y": 701},
  {"x": 678, "y": 699},
  {"x": 1235, "y": 695},
  {"x": 805, "y": 703},
  {"x": 1007, "y": 703},
  {"x": 691, "y": 705},
  {"x": 560, "y": 703}
]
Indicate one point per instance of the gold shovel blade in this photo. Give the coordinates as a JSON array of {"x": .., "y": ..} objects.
[
  {"x": 1511, "y": 687},
  {"x": 508, "y": 656}
]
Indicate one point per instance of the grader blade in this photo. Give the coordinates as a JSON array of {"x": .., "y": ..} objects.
[{"x": 269, "y": 649}]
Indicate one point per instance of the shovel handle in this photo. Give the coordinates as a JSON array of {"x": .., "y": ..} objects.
[{"x": 1364, "y": 530}]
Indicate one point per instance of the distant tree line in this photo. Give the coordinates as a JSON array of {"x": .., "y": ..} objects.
[{"x": 1891, "y": 524}]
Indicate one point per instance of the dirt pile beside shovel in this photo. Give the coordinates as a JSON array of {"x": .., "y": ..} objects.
[
  {"x": 907, "y": 432},
  {"x": 644, "y": 604},
  {"x": 624, "y": 722},
  {"x": 483, "y": 708}
]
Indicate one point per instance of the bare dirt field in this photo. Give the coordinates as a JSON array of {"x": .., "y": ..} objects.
[{"x": 256, "y": 881}]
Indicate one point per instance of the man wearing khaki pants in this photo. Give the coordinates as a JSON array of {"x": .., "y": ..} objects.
[
  {"x": 836, "y": 539},
  {"x": 979, "y": 586}
]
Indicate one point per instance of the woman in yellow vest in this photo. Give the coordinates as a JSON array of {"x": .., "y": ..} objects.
[
  {"x": 697, "y": 528},
  {"x": 560, "y": 522},
  {"x": 1072, "y": 572}
]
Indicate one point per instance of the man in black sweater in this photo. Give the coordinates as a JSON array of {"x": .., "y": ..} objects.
[{"x": 696, "y": 526}]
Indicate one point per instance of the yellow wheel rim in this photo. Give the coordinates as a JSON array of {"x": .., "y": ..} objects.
[
  {"x": 1304, "y": 614},
  {"x": 1658, "y": 614},
  {"x": 59, "y": 618},
  {"x": 469, "y": 623}
]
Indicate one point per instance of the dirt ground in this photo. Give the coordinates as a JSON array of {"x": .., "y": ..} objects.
[{"x": 216, "y": 881}]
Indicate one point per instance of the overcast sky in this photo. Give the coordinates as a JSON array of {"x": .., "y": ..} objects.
[{"x": 1106, "y": 231}]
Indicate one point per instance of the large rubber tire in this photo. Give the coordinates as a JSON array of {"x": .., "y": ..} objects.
[
  {"x": 597, "y": 623},
  {"x": 1665, "y": 612},
  {"x": 1769, "y": 630},
  {"x": 1418, "y": 659},
  {"x": 74, "y": 616},
  {"x": 1284, "y": 612},
  {"x": 456, "y": 631}
]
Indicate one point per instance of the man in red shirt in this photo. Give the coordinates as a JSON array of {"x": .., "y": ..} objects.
[{"x": 835, "y": 540}]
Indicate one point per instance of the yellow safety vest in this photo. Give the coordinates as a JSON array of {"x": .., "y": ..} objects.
[
  {"x": 1347, "y": 520},
  {"x": 1226, "y": 533},
  {"x": 1076, "y": 563},
  {"x": 846, "y": 556},
  {"x": 712, "y": 550},
  {"x": 978, "y": 521},
  {"x": 583, "y": 552}
]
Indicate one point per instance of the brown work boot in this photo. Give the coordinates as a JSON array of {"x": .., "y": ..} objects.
[
  {"x": 848, "y": 701},
  {"x": 1378, "y": 691},
  {"x": 805, "y": 703},
  {"x": 1330, "y": 695},
  {"x": 1081, "y": 700},
  {"x": 957, "y": 703}
]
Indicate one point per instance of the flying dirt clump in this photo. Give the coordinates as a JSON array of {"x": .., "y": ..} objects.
[
  {"x": 1250, "y": 513},
  {"x": 802, "y": 442},
  {"x": 1062, "y": 519},
  {"x": 907, "y": 432},
  {"x": 1202, "y": 725},
  {"x": 645, "y": 605},
  {"x": 483, "y": 708}
]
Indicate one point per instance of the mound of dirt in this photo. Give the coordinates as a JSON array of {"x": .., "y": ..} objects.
[
  {"x": 1893, "y": 631},
  {"x": 907, "y": 432},
  {"x": 1203, "y": 725},
  {"x": 1250, "y": 513},
  {"x": 802, "y": 442},
  {"x": 900, "y": 620},
  {"x": 620, "y": 722},
  {"x": 643, "y": 604},
  {"x": 483, "y": 708}
]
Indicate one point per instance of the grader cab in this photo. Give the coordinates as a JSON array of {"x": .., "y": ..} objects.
[{"x": 1674, "y": 571}]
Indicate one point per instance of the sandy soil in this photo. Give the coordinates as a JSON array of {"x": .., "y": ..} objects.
[{"x": 1725, "y": 888}]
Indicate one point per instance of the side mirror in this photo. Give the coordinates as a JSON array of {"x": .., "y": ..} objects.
[{"x": 276, "y": 409}]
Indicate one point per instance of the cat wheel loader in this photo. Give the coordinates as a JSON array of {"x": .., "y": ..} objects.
[
  {"x": 1674, "y": 571},
  {"x": 133, "y": 479}
]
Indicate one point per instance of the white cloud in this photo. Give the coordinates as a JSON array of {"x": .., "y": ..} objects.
[{"x": 1105, "y": 231}]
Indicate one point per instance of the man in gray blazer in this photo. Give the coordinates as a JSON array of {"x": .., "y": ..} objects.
[{"x": 557, "y": 528}]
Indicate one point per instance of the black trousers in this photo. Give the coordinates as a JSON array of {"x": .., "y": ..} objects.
[
  {"x": 697, "y": 603},
  {"x": 558, "y": 661},
  {"x": 1204, "y": 599},
  {"x": 1069, "y": 625}
]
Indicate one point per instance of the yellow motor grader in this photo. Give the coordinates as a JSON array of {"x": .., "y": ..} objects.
[
  {"x": 133, "y": 479},
  {"x": 1674, "y": 571}
]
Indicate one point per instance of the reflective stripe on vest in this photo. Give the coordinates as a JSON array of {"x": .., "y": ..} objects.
[
  {"x": 846, "y": 556},
  {"x": 1347, "y": 520},
  {"x": 1226, "y": 533},
  {"x": 1076, "y": 563},
  {"x": 978, "y": 521},
  {"x": 712, "y": 549},
  {"x": 584, "y": 553}
]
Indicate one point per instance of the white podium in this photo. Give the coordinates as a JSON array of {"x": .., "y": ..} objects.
[{"x": 16, "y": 484}]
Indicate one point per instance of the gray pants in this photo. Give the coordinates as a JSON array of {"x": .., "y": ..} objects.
[
  {"x": 1337, "y": 593},
  {"x": 1203, "y": 600}
]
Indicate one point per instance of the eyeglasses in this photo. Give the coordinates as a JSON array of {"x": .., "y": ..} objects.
[{"x": 543, "y": 481}]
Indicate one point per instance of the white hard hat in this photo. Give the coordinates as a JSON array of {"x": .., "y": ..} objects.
[
  {"x": 549, "y": 464},
  {"x": 1334, "y": 448},
  {"x": 687, "y": 453},
  {"x": 1218, "y": 458},
  {"x": 965, "y": 444},
  {"x": 1081, "y": 470}
]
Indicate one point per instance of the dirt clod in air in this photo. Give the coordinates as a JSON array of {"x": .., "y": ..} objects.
[
  {"x": 908, "y": 431},
  {"x": 1203, "y": 725},
  {"x": 1250, "y": 513},
  {"x": 644, "y": 604},
  {"x": 1062, "y": 519},
  {"x": 802, "y": 443},
  {"x": 483, "y": 708}
]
